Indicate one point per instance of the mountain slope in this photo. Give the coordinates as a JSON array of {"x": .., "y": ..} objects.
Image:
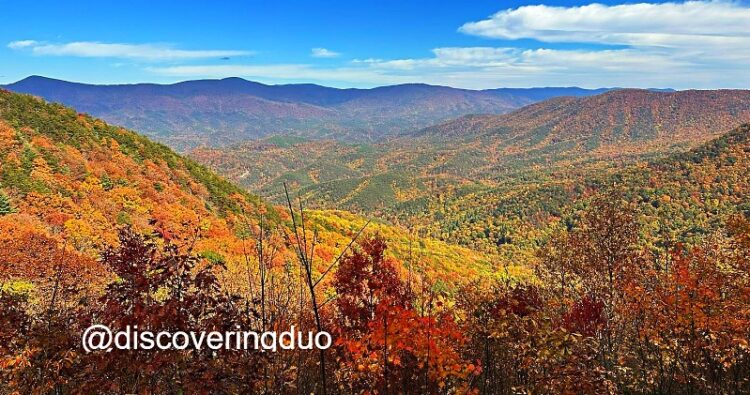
[
  {"x": 615, "y": 117},
  {"x": 72, "y": 171},
  {"x": 613, "y": 127},
  {"x": 218, "y": 112},
  {"x": 477, "y": 181},
  {"x": 680, "y": 198},
  {"x": 73, "y": 180}
]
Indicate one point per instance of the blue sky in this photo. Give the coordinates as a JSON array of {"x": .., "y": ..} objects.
[{"x": 472, "y": 44}]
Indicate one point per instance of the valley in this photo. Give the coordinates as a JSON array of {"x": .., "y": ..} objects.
[{"x": 466, "y": 180}]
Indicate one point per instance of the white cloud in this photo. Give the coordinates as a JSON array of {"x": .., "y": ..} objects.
[
  {"x": 482, "y": 67},
  {"x": 644, "y": 24},
  {"x": 474, "y": 55},
  {"x": 149, "y": 52},
  {"x": 489, "y": 58},
  {"x": 21, "y": 44},
  {"x": 323, "y": 53},
  {"x": 689, "y": 44}
]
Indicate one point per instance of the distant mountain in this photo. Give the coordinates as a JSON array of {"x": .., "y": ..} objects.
[
  {"x": 607, "y": 121},
  {"x": 486, "y": 151},
  {"x": 539, "y": 94},
  {"x": 219, "y": 112}
]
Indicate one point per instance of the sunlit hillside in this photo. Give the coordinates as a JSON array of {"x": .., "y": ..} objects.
[{"x": 76, "y": 180}]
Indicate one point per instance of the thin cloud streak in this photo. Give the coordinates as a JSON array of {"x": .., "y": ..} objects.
[
  {"x": 323, "y": 53},
  {"x": 148, "y": 52}
]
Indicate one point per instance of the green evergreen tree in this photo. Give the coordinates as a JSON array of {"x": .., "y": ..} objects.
[
  {"x": 107, "y": 183},
  {"x": 5, "y": 207}
]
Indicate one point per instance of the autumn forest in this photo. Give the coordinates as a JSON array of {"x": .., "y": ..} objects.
[{"x": 450, "y": 241}]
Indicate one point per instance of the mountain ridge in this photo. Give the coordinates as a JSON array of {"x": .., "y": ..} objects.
[
  {"x": 623, "y": 107},
  {"x": 248, "y": 86},
  {"x": 219, "y": 112}
]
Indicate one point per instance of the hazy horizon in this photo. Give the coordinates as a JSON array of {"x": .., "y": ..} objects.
[{"x": 336, "y": 87}]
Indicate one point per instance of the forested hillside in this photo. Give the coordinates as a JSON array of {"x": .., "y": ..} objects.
[
  {"x": 435, "y": 178},
  {"x": 95, "y": 218},
  {"x": 79, "y": 178},
  {"x": 681, "y": 198}
]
